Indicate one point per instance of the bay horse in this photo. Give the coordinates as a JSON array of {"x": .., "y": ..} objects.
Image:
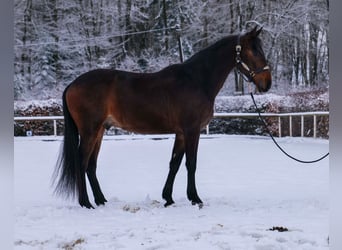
[{"x": 178, "y": 99}]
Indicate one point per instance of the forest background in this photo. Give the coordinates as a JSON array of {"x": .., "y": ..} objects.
[{"x": 55, "y": 40}]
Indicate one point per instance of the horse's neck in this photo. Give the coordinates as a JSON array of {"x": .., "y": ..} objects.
[
  {"x": 214, "y": 67},
  {"x": 221, "y": 68}
]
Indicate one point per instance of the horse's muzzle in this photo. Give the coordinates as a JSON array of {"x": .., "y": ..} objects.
[{"x": 264, "y": 87}]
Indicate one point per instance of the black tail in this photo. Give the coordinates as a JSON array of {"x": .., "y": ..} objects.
[{"x": 68, "y": 161}]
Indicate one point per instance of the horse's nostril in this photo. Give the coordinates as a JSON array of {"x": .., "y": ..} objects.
[{"x": 264, "y": 86}]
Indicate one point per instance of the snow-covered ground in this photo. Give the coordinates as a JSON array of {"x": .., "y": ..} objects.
[{"x": 247, "y": 185}]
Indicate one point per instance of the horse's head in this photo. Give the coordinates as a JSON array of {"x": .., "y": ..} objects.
[{"x": 251, "y": 61}]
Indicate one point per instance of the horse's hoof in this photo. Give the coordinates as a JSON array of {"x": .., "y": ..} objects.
[
  {"x": 200, "y": 204},
  {"x": 169, "y": 203},
  {"x": 87, "y": 205},
  {"x": 101, "y": 202}
]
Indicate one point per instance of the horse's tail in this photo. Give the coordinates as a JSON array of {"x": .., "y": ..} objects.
[{"x": 68, "y": 160}]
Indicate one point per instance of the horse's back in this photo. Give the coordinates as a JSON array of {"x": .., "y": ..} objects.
[{"x": 161, "y": 102}]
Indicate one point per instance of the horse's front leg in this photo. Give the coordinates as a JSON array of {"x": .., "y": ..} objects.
[
  {"x": 176, "y": 159},
  {"x": 191, "y": 147}
]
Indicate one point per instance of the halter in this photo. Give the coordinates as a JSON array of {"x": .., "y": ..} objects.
[{"x": 251, "y": 73}]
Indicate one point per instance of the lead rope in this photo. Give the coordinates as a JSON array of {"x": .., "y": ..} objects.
[
  {"x": 275, "y": 142},
  {"x": 238, "y": 49}
]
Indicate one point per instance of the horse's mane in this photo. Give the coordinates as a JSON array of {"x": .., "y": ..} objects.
[{"x": 211, "y": 48}]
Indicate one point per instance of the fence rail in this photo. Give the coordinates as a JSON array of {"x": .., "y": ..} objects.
[{"x": 54, "y": 119}]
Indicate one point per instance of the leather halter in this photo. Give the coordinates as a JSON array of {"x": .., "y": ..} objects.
[{"x": 251, "y": 73}]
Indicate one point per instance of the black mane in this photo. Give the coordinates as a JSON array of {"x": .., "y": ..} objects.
[{"x": 212, "y": 48}]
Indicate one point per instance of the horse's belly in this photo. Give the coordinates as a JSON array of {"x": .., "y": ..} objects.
[{"x": 141, "y": 124}]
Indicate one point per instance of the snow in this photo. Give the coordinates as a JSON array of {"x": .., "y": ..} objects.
[
  {"x": 247, "y": 185},
  {"x": 24, "y": 105}
]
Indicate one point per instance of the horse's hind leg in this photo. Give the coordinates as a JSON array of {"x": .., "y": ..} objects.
[
  {"x": 87, "y": 144},
  {"x": 91, "y": 172},
  {"x": 176, "y": 159}
]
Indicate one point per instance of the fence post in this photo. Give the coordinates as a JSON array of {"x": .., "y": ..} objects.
[
  {"x": 302, "y": 125},
  {"x": 290, "y": 120},
  {"x": 314, "y": 125},
  {"x": 54, "y": 127},
  {"x": 279, "y": 126}
]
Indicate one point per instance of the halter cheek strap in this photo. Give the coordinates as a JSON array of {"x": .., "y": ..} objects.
[{"x": 251, "y": 73}]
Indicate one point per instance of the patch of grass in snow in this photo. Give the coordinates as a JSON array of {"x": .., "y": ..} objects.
[
  {"x": 31, "y": 243},
  {"x": 73, "y": 244}
]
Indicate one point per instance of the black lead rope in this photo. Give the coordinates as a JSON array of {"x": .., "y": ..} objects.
[{"x": 275, "y": 142}]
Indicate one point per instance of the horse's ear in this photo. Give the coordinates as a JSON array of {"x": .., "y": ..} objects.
[{"x": 255, "y": 32}]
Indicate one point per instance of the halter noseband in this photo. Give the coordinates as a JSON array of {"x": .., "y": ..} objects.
[{"x": 251, "y": 73}]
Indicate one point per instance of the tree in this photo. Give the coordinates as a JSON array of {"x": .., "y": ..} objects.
[{"x": 55, "y": 41}]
